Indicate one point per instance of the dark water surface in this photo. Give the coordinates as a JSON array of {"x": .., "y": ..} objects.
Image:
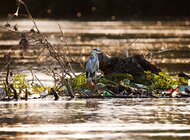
[{"x": 145, "y": 119}]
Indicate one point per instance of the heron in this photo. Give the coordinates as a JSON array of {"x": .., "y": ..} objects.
[{"x": 92, "y": 67}]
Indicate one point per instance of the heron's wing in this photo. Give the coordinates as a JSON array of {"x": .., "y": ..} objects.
[
  {"x": 91, "y": 64},
  {"x": 88, "y": 65},
  {"x": 94, "y": 65},
  {"x": 97, "y": 65},
  {"x": 88, "y": 68}
]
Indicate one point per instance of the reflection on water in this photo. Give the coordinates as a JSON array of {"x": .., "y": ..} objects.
[{"x": 96, "y": 119}]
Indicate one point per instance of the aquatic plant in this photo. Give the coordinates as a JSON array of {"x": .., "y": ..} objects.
[
  {"x": 19, "y": 81},
  {"x": 162, "y": 80},
  {"x": 182, "y": 81},
  {"x": 36, "y": 88},
  {"x": 117, "y": 77},
  {"x": 79, "y": 81}
]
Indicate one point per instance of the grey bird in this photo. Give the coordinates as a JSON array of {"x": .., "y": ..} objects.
[{"x": 92, "y": 67}]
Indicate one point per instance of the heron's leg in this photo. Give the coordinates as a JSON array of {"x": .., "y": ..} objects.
[
  {"x": 94, "y": 82},
  {"x": 95, "y": 78},
  {"x": 88, "y": 78}
]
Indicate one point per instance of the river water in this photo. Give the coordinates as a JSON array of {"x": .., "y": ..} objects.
[
  {"x": 167, "y": 41},
  {"x": 147, "y": 119}
]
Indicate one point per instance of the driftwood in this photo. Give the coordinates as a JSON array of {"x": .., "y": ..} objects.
[{"x": 134, "y": 65}]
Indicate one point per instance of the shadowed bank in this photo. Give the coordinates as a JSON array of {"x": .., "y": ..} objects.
[{"x": 103, "y": 9}]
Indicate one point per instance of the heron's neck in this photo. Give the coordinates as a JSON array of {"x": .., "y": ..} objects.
[{"x": 93, "y": 54}]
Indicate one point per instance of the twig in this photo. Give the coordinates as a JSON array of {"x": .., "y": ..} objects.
[
  {"x": 14, "y": 92},
  {"x": 133, "y": 41},
  {"x": 65, "y": 43},
  {"x": 36, "y": 39},
  {"x": 55, "y": 94},
  {"x": 151, "y": 54},
  {"x": 39, "y": 81}
]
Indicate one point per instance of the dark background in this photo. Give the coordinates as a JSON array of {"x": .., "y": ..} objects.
[{"x": 102, "y": 9}]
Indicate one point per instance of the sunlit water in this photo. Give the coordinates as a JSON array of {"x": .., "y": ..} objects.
[
  {"x": 145, "y": 119},
  {"x": 96, "y": 119},
  {"x": 114, "y": 38}
]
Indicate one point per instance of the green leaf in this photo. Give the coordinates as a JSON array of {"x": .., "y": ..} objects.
[
  {"x": 19, "y": 81},
  {"x": 79, "y": 81}
]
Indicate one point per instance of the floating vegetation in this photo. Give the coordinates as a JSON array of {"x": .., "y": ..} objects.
[
  {"x": 117, "y": 77},
  {"x": 79, "y": 82},
  {"x": 19, "y": 81},
  {"x": 160, "y": 81}
]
